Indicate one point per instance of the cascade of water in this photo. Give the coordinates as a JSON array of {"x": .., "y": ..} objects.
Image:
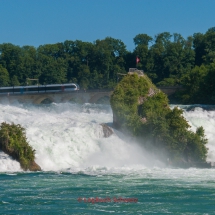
[{"x": 68, "y": 137}]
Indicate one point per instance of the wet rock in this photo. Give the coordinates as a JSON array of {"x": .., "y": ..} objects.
[
  {"x": 34, "y": 167},
  {"x": 107, "y": 131}
]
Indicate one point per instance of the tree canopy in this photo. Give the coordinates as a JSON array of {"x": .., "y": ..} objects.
[{"x": 168, "y": 59}]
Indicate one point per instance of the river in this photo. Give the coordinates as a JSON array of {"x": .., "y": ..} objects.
[{"x": 85, "y": 173}]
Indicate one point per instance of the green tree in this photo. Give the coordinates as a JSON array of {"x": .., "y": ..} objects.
[
  {"x": 142, "y": 39},
  {"x": 192, "y": 82},
  {"x": 29, "y": 64},
  {"x": 209, "y": 46},
  {"x": 207, "y": 86},
  {"x": 15, "y": 81},
  {"x": 141, "y": 42},
  {"x": 199, "y": 48},
  {"x": 10, "y": 59},
  {"x": 4, "y": 77}
]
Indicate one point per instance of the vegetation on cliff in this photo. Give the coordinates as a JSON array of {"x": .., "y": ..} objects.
[
  {"x": 13, "y": 141},
  {"x": 138, "y": 107}
]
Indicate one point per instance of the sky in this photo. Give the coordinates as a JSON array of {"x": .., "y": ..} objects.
[{"x": 39, "y": 22}]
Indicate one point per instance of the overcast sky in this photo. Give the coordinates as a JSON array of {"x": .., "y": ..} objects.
[{"x": 38, "y": 22}]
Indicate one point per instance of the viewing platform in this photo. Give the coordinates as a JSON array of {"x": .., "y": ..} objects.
[{"x": 136, "y": 71}]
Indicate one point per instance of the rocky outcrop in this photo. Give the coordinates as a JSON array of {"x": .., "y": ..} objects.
[
  {"x": 107, "y": 131},
  {"x": 151, "y": 92},
  {"x": 142, "y": 110},
  {"x": 185, "y": 164},
  {"x": 34, "y": 166},
  {"x": 13, "y": 142},
  {"x": 147, "y": 90}
]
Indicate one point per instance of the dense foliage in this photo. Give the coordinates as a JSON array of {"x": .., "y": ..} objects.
[
  {"x": 124, "y": 100},
  {"x": 92, "y": 65},
  {"x": 13, "y": 141},
  {"x": 161, "y": 129},
  {"x": 168, "y": 59}
]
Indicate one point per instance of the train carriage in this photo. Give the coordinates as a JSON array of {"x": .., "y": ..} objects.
[{"x": 39, "y": 88}]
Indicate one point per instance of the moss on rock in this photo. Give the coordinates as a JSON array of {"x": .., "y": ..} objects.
[
  {"x": 13, "y": 142},
  {"x": 142, "y": 110}
]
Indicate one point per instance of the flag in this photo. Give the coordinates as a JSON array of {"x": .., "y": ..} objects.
[{"x": 137, "y": 60}]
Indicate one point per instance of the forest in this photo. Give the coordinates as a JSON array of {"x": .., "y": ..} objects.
[{"x": 167, "y": 59}]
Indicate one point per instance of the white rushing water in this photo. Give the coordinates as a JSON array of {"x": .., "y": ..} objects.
[
  {"x": 199, "y": 116},
  {"x": 69, "y": 137}
]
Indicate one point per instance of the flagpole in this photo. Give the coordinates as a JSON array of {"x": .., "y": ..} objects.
[{"x": 137, "y": 61}]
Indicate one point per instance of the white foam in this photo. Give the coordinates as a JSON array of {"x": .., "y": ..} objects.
[
  {"x": 68, "y": 137},
  {"x": 7, "y": 164},
  {"x": 206, "y": 119}
]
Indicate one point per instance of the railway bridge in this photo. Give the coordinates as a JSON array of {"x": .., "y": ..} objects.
[{"x": 81, "y": 96}]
